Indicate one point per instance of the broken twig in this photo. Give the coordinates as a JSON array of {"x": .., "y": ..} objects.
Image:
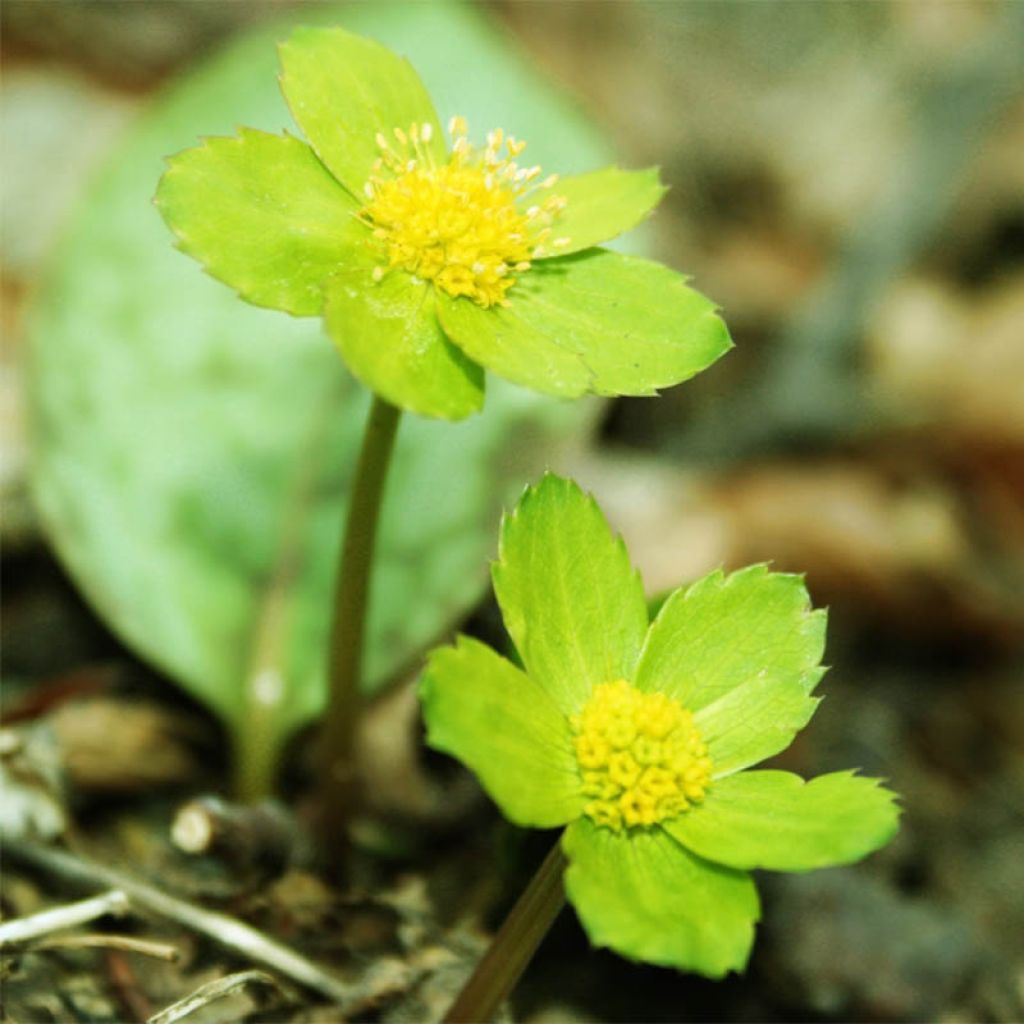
[{"x": 257, "y": 837}]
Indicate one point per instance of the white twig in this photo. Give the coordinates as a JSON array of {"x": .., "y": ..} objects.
[
  {"x": 209, "y": 993},
  {"x": 229, "y": 932},
  {"x": 25, "y": 929},
  {"x": 125, "y": 943}
]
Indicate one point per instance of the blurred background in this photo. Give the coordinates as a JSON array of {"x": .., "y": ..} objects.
[{"x": 847, "y": 182}]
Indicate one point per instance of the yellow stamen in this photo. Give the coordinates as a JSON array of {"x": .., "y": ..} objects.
[
  {"x": 462, "y": 225},
  {"x": 641, "y": 759}
]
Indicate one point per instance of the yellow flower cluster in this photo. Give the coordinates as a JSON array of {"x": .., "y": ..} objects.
[
  {"x": 467, "y": 225},
  {"x": 641, "y": 759}
]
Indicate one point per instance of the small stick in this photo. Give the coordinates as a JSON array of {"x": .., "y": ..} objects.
[
  {"x": 209, "y": 993},
  {"x": 127, "y": 943},
  {"x": 25, "y": 929},
  {"x": 256, "y": 836},
  {"x": 228, "y": 931}
]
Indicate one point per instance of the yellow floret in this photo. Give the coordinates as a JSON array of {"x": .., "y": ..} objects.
[
  {"x": 641, "y": 758},
  {"x": 465, "y": 225}
]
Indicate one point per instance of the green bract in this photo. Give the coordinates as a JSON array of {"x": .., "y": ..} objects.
[
  {"x": 365, "y": 225},
  {"x": 734, "y": 657}
]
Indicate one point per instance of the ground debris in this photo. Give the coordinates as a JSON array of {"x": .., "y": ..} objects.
[{"x": 241, "y": 939}]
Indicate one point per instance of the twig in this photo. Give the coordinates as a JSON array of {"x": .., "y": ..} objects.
[
  {"x": 228, "y": 931},
  {"x": 25, "y": 929},
  {"x": 127, "y": 943},
  {"x": 209, "y": 993}
]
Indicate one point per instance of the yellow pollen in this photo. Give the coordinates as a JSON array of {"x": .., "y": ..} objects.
[
  {"x": 463, "y": 225},
  {"x": 641, "y": 758}
]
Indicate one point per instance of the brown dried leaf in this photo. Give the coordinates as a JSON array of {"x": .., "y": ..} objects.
[{"x": 112, "y": 745}]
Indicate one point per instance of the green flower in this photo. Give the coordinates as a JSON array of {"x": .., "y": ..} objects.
[
  {"x": 431, "y": 261},
  {"x": 637, "y": 735}
]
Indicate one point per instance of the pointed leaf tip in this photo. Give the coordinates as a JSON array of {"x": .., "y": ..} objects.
[{"x": 571, "y": 600}]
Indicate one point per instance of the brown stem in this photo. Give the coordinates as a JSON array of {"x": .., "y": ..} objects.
[{"x": 513, "y": 947}]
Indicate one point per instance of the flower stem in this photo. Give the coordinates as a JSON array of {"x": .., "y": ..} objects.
[
  {"x": 514, "y": 945},
  {"x": 337, "y": 774}
]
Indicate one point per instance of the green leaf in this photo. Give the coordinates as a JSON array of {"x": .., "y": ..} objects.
[
  {"x": 262, "y": 214},
  {"x": 483, "y": 710},
  {"x": 602, "y": 205},
  {"x": 343, "y": 90},
  {"x": 752, "y": 722},
  {"x": 646, "y": 897},
  {"x": 776, "y": 820},
  {"x": 724, "y": 631},
  {"x": 593, "y": 322},
  {"x": 193, "y": 453},
  {"x": 390, "y": 339},
  {"x": 571, "y": 601}
]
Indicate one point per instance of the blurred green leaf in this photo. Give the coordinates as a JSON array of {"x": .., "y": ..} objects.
[{"x": 193, "y": 453}]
